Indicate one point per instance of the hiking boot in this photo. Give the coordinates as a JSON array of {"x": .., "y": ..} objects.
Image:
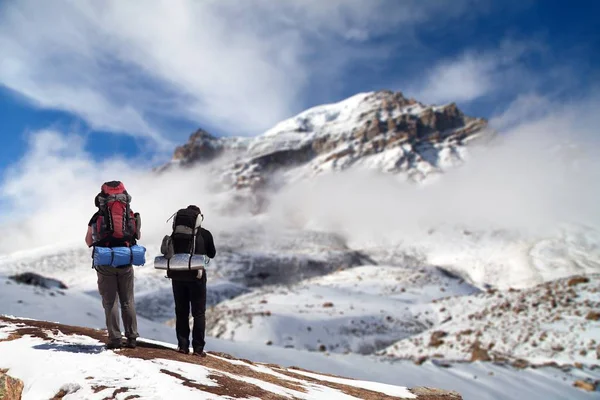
[
  {"x": 199, "y": 353},
  {"x": 183, "y": 350},
  {"x": 113, "y": 345},
  {"x": 131, "y": 343}
]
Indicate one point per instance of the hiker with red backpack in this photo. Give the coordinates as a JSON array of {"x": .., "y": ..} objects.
[
  {"x": 113, "y": 232},
  {"x": 188, "y": 239}
]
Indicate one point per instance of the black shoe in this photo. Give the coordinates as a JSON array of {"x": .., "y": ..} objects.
[
  {"x": 131, "y": 343},
  {"x": 199, "y": 353},
  {"x": 113, "y": 345},
  {"x": 183, "y": 350}
]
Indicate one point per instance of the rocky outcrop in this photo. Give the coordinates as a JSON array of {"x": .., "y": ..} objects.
[
  {"x": 426, "y": 393},
  {"x": 479, "y": 354},
  {"x": 10, "y": 388},
  {"x": 585, "y": 385},
  {"x": 31, "y": 278},
  {"x": 201, "y": 147}
]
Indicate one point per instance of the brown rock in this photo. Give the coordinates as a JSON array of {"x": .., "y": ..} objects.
[
  {"x": 425, "y": 393},
  {"x": 593, "y": 316},
  {"x": 327, "y": 304},
  {"x": 519, "y": 309},
  {"x": 552, "y": 364},
  {"x": 520, "y": 364},
  {"x": 10, "y": 388},
  {"x": 577, "y": 280},
  {"x": 436, "y": 338},
  {"x": 479, "y": 354},
  {"x": 391, "y": 125},
  {"x": 587, "y": 386},
  {"x": 420, "y": 360}
]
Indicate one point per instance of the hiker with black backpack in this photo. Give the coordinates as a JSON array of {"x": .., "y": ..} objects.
[
  {"x": 115, "y": 226},
  {"x": 189, "y": 283}
]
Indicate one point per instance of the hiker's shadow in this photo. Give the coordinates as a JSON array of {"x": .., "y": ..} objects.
[{"x": 71, "y": 348}]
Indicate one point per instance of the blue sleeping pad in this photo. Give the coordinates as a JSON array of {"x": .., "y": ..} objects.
[{"x": 119, "y": 256}]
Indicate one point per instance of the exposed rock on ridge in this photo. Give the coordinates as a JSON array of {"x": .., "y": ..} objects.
[{"x": 383, "y": 130}]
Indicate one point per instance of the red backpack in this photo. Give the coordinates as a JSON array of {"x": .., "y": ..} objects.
[{"x": 116, "y": 224}]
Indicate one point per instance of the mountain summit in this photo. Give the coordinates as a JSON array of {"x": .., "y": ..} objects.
[{"x": 381, "y": 130}]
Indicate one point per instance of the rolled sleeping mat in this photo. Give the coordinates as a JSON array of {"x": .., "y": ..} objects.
[
  {"x": 181, "y": 262},
  {"x": 119, "y": 256}
]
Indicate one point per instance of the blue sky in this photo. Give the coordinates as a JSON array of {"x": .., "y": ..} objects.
[{"x": 136, "y": 79}]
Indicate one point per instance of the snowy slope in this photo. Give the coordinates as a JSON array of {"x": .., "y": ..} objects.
[
  {"x": 428, "y": 313},
  {"x": 556, "y": 322},
  {"x": 250, "y": 257},
  {"x": 70, "y": 361},
  {"x": 81, "y": 368},
  {"x": 357, "y": 310},
  {"x": 498, "y": 258},
  {"x": 66, "y": 306},
  {"x": 473, "y": 381}
]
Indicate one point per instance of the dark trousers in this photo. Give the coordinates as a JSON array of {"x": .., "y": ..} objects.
[{"x": 190, "y": 293}]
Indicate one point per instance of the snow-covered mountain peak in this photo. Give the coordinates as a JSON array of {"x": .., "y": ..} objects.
[
  {"x": 380, "y": 130},
  {"x": 343, "y": 116}
]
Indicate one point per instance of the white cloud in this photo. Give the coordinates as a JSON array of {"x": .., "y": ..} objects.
[
  {"x": 124, "y": 65},
  {"x": 474, "y": 74},
  {"x": 49, "y": 194}
]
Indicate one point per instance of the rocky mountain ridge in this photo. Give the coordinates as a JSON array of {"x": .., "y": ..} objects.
[{"x": 381, "y": 130}]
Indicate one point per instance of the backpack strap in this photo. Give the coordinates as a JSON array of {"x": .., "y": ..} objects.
[
  {"x": 110, "y": 226},
  {"x": 126, "y": 220},
  {"x": 199, "y": 219}
]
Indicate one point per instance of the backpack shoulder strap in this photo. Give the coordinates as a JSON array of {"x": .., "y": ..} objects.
[{"x": 198, "y": 223}]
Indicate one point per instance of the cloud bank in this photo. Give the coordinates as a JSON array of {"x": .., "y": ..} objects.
[
  {"x": 49, "y": 195},
  {"x": 476, "y": 74},
  {"x": 125, "y": 67}
]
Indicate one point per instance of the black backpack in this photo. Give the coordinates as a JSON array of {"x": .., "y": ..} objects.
[{"x": 186, "y": 224}]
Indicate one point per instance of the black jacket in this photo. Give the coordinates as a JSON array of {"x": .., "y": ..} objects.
[{"x": 204, "y": 245}]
